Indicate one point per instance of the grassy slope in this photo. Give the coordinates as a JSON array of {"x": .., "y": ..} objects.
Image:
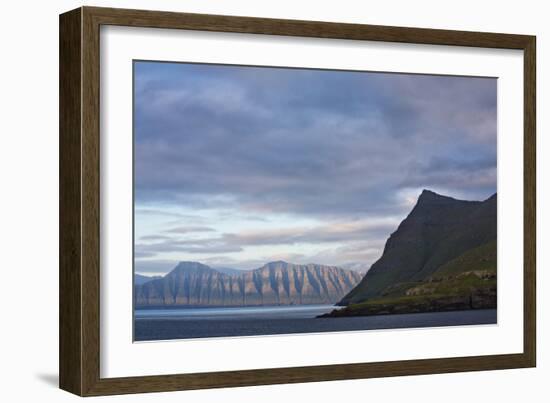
[{"x": 482, "y": 258}]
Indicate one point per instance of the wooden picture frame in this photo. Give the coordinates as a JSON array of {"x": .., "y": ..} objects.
[{"x": 79, "y": 348}]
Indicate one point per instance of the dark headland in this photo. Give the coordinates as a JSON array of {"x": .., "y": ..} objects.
[{"x": 442, "y": 257}]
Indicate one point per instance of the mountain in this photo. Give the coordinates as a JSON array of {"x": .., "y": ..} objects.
[
  {"x": 141, "y": 279},
  {"x": 441, "y": 257},
  {"x": 276, "y": 283},
  {"x": 230, "y": 271}
]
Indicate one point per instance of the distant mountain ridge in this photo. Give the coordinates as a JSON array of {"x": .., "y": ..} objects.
[
  {"x": 230, "y": 270},
  {"x": 441, "y": 257},
  {"x": 141, "y": 279},
  {"x": 276, "y": 283}
]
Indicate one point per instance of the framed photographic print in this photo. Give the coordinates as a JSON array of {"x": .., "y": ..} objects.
[{"x": 249, "y": 201}]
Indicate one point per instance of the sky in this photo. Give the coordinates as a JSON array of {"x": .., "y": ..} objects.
[{"x": 237, "y": 166}]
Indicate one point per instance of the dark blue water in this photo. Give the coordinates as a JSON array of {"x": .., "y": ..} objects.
[{"x": 185, "y": 323}]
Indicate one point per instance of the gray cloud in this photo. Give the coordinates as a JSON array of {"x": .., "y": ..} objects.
[
  {"x": 157, "y": 212},
  {"x": 370, "y": 230},
  {"x": 189, "y": 230},
  {"x": 155, "y": 238},
  {"x": 213, "y": 246},
  {"x": 338, "y": 143},
  {"x": 143, "y": 253},
  {"x": 332, "y": 146},
  {"x": 329, "y": 233}
]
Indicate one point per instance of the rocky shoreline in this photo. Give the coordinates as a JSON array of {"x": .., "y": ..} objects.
[{"x": 480, "y": 299}]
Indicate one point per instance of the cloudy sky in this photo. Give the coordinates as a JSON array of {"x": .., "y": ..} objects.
[{"x": 237, "y": 166}]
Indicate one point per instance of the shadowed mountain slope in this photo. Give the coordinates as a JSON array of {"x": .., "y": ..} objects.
[{"x": 437, "y": 230}]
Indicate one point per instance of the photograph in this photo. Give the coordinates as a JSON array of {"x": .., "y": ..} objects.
[
  {"x": 276, "y": 200},
  {"x": 250, "y": 200}
]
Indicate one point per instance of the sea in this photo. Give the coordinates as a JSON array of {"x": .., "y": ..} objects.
[{"x": 207, "y": 322}]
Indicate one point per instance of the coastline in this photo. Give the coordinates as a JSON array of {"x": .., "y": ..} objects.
[{"x": 481, "y": 299}]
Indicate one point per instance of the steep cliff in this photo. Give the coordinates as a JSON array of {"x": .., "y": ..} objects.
[
  {"x": 276, "y": 283},
  {"x": 438, "y": 230}
]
